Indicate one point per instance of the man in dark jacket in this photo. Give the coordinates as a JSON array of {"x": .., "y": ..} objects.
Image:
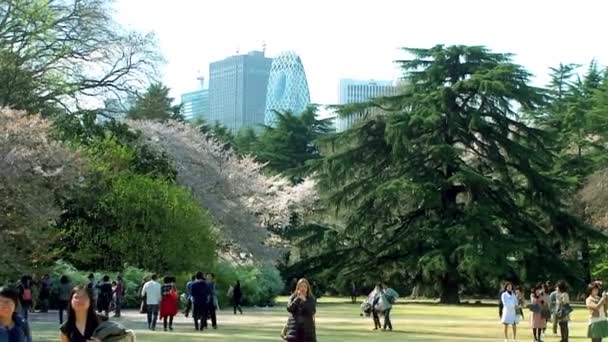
[{"x": 200, "y": 299}]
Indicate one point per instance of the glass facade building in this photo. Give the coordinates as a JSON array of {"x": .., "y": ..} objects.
[
  {"x": 358, "y": 91},
  {"x": 195, "y": 105},
  {"x": 287, "y": 87},
  {"x": 237, "y": 90}
]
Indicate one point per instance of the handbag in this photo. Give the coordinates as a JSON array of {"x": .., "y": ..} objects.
[
  {"x": 545, "y": 313},
  {"x": 534, "y": 308},
  {"x": 565, "y": 310}
]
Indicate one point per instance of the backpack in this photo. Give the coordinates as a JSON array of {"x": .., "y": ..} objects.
[{"x": 27, "y": 294}]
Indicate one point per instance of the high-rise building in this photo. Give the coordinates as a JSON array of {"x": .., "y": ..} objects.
[
  {"x": 237, "y": 90},
  {"x": 358, "y": 91},
  {"x": 195, "y": 104},
  {"x": 287, "y": 87}
]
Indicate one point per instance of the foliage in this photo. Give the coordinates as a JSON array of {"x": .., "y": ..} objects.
[
  {"x": 132, "y": 278},
  {"x": 125, "y": 217},
  {"x": 155, "y": 104},
  {"x": 448, "y": 184},
  {"x": 35, "y": 171},
  {"x": 232, "y": 188},
  {"x": 64, "y": 53},
  {"x": 288, "y": 147},
  {"x": 260, "y": 284}
]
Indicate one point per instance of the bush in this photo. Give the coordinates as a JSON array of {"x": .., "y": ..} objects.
[
  {"x": 132, "y": 277},
  {"x": 260, "y": 284}
]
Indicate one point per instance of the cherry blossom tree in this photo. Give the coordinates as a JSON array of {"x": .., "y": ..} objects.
[
  {"x": 35, "y": 171},
  {"x": 241, "y": 198}
]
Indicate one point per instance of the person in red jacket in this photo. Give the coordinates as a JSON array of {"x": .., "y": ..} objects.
[{"x": 168, "y": 302}]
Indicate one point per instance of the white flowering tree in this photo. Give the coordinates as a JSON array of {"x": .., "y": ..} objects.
[
  {"x": 34, "y": 171},
  {"x": 241, "y": 198}
]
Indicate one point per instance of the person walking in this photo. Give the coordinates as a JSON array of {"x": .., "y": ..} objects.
[
  {"x": 389, "y": 297},
  {"x": 353, "y": 292},
  {"x": 302, "y": 309},
  {"x": 213, "y": 302},
  {"x": 25, "y": 295},
  {"x": 375, "y": 302},
  {"x": 119, "y": 295},
  {"x": 189, "y": 295},
  {"x": 168, "y": 302},
  {"x": 553, "y": 306},
  {"x": 200, "y": 299},
  {"x": 562, "y": 310},
  {"x": 537, "y": 320},
  {"x": 65, "y": 290},
  {"x": 510, "y": 304},
  {"x": 92, "y": 286},
  {"x": 105, "y": 295},
  {"x": 82, "y": 319},
  {"x": 596, "y": 303},
  {"x": 151, "y": 291},
  {"x": 45, "y": 293},
  {"x": 237, "y": 297},
  {"x": 13, "y": 327}
]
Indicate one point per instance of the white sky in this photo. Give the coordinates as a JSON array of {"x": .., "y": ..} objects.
[{"x": 360, "y": 38}]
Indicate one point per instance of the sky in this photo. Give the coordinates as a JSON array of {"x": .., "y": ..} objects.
[{"x": 361, "y": 38}]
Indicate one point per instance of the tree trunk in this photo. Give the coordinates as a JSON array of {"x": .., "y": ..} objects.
[
  {"x": 585, "y": 260},
  {"x": 450, "y": 286}
]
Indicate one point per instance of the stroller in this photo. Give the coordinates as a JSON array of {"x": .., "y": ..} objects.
[{"x": 366, "y": 309}]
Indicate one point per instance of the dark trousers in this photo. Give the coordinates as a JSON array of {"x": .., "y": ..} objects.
[
  {"x": 170, "y": 322},
  {"x": 353, "y": 298},
  {"x": 387, "y": 320},
  {"x": 118, "y": 304},
  {"x": 188, "y": 307},
  {"x": 211, "y": 315},
  {"x": 564, "y": 331},
  {"x": 63, "y": 306},
  {"x": 199, "y": 314},
  {"x": 152, "y": 313},
  {"x": 237, "y": 305},
  {"x": 377, "y": 324},
  {"x": 25, "y": 308}
]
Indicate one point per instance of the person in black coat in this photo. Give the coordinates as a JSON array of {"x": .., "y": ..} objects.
[
  {"x": 200, "y": 301},
  {"x": 302, "y": 309},
  {"x": 237, "y": 297}
]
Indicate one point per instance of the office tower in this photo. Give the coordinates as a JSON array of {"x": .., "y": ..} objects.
[
  {"x": 195, "y": 104},
  {"x": 358, "y": 91},
  {"x": 287, "y": 87}
]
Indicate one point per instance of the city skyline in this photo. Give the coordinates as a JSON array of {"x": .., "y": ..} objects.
[{"x": 363, "y": 39}]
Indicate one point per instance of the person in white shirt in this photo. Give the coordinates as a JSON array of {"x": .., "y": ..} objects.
[{"x": 151, "y": 291}]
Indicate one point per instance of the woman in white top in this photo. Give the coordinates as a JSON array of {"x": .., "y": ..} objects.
[{"x": 509, "y": 311}]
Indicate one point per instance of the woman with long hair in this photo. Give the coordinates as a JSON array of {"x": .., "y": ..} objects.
[
  {"x": 13, "y": 327},
  {"x": 537, "y": 320},
  {"x": 25, "y": 295},
  {"x": 168, "y": 302},
  {"x": 510, "y": 304},
  {"x": 302, "y": 309},
  {"x": 596, "y": 303},
  {"x": 237, "y": 296},
  {"x": 82, "y": 319}
]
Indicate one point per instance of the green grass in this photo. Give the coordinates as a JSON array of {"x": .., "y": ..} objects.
[{"x": 339, "y": 322}]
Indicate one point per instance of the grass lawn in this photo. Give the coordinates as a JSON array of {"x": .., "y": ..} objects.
[{"x": 336, "y": 322}]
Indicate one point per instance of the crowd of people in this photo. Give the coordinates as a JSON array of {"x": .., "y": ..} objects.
[{"x": 550, "y": 305}]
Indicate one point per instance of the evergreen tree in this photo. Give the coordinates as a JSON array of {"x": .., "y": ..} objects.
[
  {"x": 447, "y": 181},
  {"x": 289, "y": 147},
  {"x": 155, "y": 104}
]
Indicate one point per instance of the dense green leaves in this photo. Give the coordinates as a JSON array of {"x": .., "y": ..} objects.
[
  {"x": 446, "y": 180},
  {"x": 124, "y": 216},
  {"x": 155, "y": 104},
  {"x": 292, "y": 143}
]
